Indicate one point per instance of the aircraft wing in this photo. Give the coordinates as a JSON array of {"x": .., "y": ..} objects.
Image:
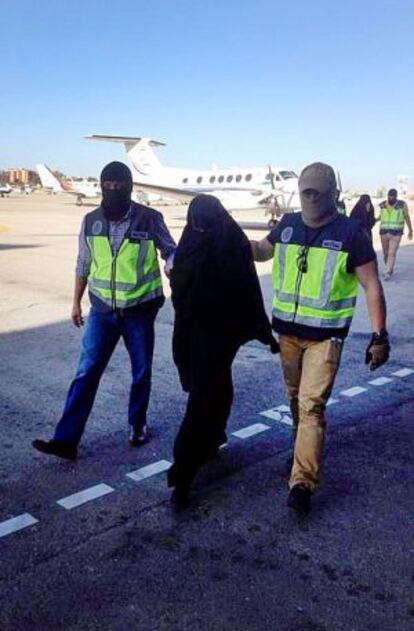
[
  {"x": 186, "y": 195},
  {"x": 167, "y": 191}
]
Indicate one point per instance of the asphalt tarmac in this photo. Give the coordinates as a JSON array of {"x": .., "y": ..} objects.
[{"x": 87, "y": 545}]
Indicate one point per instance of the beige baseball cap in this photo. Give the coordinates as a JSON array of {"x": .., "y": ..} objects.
[{"x": 318, "y": 176}]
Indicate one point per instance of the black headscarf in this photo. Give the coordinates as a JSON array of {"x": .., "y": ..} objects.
[
  {"x": 359, "y": 212},
  {"x": 214, "y": 282}
]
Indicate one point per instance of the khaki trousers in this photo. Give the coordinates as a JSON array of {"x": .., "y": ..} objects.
[
  {"x": 390, "y": 244},
  {"x": 309, "y": 368}
]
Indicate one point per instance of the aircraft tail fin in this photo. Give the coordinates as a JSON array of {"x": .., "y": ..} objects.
[
  {"x": 139, "y": 150},
  {"x": 48, "y": 179}
]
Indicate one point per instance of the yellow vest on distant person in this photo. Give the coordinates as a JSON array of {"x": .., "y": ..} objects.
[{"x": 392, "y": 217}]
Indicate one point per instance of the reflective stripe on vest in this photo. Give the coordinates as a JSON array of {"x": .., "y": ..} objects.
[
  {"x": 127, "y": 279},
  {"x": 324, "y": 297},
  {"x": 392, "y": 217}
]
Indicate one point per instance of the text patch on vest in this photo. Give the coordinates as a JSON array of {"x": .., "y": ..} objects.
[
  {"x": 138, "y": 234},
  {"x": 332, "y": 245}
]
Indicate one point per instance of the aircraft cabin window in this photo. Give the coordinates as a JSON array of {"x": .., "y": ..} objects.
[
  {"x": 229, "y": 178},
  {"x": 248, "y": 177},
  {"x": 199, "y": 179},
  {"x": 185, "y": 180},
  {"x": 212, "y": 179},
  {"x": 287, "y": 175},
  {"x": 221, "y": 178},
  {"x": 238, "y": 178}
]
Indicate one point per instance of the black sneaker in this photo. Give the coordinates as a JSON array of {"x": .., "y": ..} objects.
[
  {"x": 58, "y": 448},
  {"x": 139, "y": 436},
  {"x": 300, "y": 498}
]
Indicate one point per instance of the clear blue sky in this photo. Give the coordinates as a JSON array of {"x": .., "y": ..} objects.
[{"x": 243, "y": 82}]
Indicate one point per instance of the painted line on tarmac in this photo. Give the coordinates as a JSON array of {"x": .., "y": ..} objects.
[
  {"x": 275, "y": 415},
  {"x": 3, "y": 228},
  {"x": 147, "y": 472},
  {"x": 381, "y": 381},
  {"x": 332, "y": 401},
  {"x": 353, "y": 392},
  {"x": 87, "y": 495},
  {"x": 251, "y": 430},
  {"x": 278, "y": 413},
  {"x": 17, "y": 523},
  {"x": 404, "y": 372}
]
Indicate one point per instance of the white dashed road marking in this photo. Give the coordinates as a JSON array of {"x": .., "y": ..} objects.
[
  {"x": 149, "y": 470},
  {"x": 251, "y": 430},
  {"x": 353, "y": 392},
  {"x": 381, "y": 381},
  {"x": 87, "y": 495},
  {"x": 16, "y": 523},
  {"x": 281, "y": 413},
  {"x": 277, "y": 416},
  {"x": 404, "y": 372},
  {"x": 331, "y": 401}
]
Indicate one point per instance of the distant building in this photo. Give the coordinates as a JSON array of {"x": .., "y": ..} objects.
[
  {"x": 402, "y": 185},
  {"x": 18, "y": 176},
  {"x": 21, "y": 176}
]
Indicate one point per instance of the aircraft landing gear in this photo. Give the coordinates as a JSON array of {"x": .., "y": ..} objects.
[{"x": 272, "y": 223}]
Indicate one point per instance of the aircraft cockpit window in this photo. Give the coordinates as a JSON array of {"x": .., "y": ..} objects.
[
  {"x": 238, "y": 178},
  {"x": 212, "y": 179},
  {"x": 221, "y": 178},
  {"x": 229, "y": 178},
  {"x": 287, "y": 175},
  {"x": 185, "y": 180},
  {"x": 248, "y": 177},
  {"x": 199, "y": 179}
]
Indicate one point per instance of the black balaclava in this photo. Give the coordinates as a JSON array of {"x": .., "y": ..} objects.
[
  {"x": 115, "y": 203},
  {"x": 392, "y": 196}
]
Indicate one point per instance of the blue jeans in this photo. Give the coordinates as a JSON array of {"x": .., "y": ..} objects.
[{"x": 102, "y": 334}]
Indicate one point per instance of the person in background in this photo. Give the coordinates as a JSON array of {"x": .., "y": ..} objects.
[
  {"x": 364, "y": 212},
  {"x": 319, "y": 257},
  {"x": 218, "y": 307},
  {"x": 118, "y": 262},
  {"x": 394, "y": 214}
]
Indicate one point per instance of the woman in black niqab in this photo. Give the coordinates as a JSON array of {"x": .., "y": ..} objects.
[
  {"x": 364, "y": 212},
  {"x": 218, "y": 307}
]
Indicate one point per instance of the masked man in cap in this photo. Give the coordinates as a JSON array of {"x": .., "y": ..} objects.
[
  {"x": 319, "y": 256},
  {"x": 118, "y": 262}
]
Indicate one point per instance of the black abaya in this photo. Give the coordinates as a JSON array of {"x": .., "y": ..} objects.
[{"x": 218, "y": 307}]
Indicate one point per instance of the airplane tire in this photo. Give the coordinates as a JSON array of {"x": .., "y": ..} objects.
[{"x": 272, "y": 223}]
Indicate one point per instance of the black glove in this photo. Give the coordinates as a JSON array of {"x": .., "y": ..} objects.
[{"x": 378, "y": 350}]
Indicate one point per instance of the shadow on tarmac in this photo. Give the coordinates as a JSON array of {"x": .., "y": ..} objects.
[{"x": 18, "y": 246}]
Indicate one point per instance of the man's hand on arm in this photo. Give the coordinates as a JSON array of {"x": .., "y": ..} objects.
[
  {"x": 262, "y": 250},
  {"x": 378, "y": 350},
  {"x": 76, "y": 316}
]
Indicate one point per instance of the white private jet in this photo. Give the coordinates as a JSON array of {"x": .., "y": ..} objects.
[
  {"x": 83, "y": 189},
  {"x": 271, "y": 189},
  {"x": 5, "y": 189}
]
